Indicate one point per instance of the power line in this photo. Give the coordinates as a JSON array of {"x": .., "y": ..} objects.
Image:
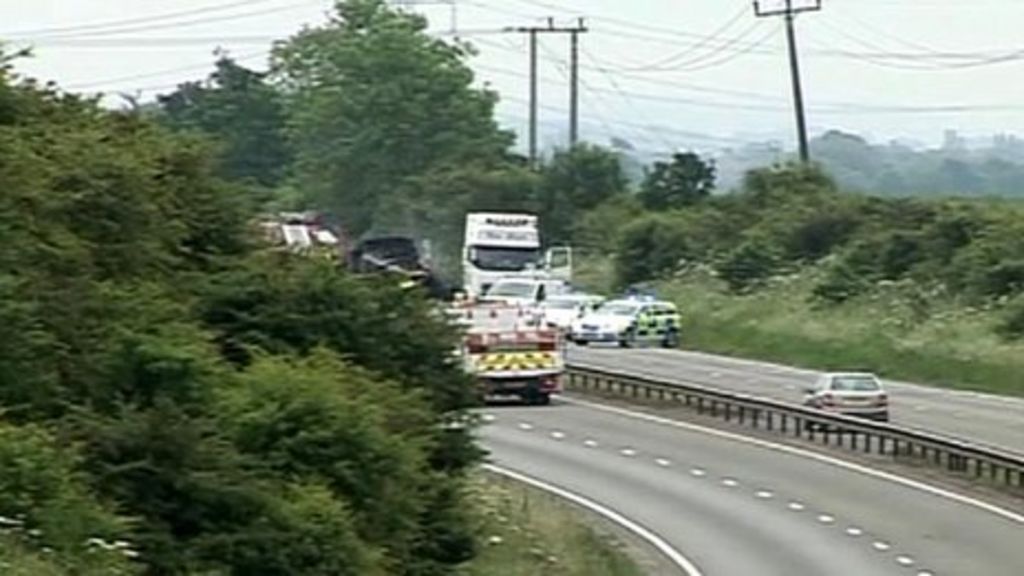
[
  {"x": 668, "y": 60},
  {"x": 172, "y": 25},
  {"x": 160, "y": 73},
  {"x": 823, "y": 107},
  {"x": 141, "y": 19}
]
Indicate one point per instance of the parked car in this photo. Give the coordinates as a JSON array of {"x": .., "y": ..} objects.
[
  {"x": 560, "y": 311},
  {"x": 628, "y": 322},
  {"x": 857, "y": 394}
]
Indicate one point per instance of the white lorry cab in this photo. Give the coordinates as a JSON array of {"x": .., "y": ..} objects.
[{"x": 498, "y": 245}]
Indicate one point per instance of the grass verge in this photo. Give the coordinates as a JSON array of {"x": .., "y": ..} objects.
[
  {"x": 896, "y": 336},
  {"x": 526, "y": 532},
  {"x": 892, "y": 331}
]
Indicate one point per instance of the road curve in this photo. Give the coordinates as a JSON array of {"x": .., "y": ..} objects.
[
  {"x": 733, "y": 506},
  {"x": 983, "y": 419}
]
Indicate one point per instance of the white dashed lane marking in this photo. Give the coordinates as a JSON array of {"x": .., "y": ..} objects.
[
  {"x": 489, "y": 418},
  {"x": 763, "y": 494},
  {"x": 525, "y": 426}
]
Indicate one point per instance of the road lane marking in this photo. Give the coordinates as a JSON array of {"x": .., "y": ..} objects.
[
  {"x": 810, "y": 455},
  {"x": 628, "y": 452},
  {"x": 854, "y": 531},
  {"x": 489, "y": 417},
  {"x": 525, "y": 426},
  {"x": 764, "y": 494},
  {"x": 730, "y": 482},
  {"x": 925, "y": 573},
  {"x": 796, "y": 506},
  {"x": 826, "y": 519},
  {"x": 664, "y": 547},
  {"x": 698, "y": 472},
  {"x": 558, "y": 435},
  {"x": 663, "y": 462},
  {"x": 905, "y": 560},
  {"x": 880, "y": 546},
  {"x": 590, "y": 443}
]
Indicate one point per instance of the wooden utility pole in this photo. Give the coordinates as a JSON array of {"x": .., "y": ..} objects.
[
  {"x": 533, "y": 32},
  {"x": 789, "y": 11}
]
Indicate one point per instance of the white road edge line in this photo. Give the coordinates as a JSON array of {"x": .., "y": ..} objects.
[
  {"x": 653, "y": 539},
  {"x": 809, "y": 454}
]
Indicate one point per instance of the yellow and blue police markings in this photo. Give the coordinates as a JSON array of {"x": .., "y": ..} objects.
[{"x": 655, "y": 321}]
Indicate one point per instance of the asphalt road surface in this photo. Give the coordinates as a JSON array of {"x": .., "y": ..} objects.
[
  {"x": 983, "y": 419},
  {"x": 737, "y": 506}
]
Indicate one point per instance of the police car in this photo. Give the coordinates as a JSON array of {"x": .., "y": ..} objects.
[{"x": 628, "y": 322}]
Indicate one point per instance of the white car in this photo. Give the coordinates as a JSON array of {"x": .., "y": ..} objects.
[
  {"x": 560, "y": 311},
  {"x": 849, "y": 393},
  {"x": 607, "y": 323},
  {"x": 524, "y": 291}
]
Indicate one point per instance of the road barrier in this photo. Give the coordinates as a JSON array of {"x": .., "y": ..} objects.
[{"x": 956, "y": 456}]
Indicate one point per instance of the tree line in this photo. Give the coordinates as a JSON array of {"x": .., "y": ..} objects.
[{"x": 175, "y": 398}]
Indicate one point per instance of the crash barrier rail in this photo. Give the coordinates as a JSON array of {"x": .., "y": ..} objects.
[{"x": 907, "y": 445}]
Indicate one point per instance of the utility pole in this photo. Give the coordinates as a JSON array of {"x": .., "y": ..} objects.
[
  {"x": 574, "y": 82},
  {"x": 789, "y": 10},
  {"x": 533, "y": 32}
]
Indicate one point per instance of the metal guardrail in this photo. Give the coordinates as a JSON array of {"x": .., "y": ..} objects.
[{"x": 904, "y": 444}]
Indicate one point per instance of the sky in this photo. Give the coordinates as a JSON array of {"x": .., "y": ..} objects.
[{"x": 659, "y": 73}]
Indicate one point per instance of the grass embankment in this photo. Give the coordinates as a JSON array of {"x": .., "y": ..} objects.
[
  {"x": 525, "y": 532},
  {"x": 890, "y": 331}
]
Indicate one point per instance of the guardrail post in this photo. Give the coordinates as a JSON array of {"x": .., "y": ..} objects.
[{"x": 728, "y": 411}]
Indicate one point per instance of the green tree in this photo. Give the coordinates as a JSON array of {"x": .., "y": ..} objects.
[
  {"x": 684, "y": 181},
  {"x": 285, "y": 305},
  {"x": 46, "y": 503},
  {"x": 244, "y": 112},
  {"x": 373, "y": 100},
  {"x": 366, "y": 440},
  {"x": 575, "y": 181}
]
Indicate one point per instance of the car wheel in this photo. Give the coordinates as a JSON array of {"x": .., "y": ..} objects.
[
  {"x": 628, "y": 340},
  {"x": 671, "y": 339}
]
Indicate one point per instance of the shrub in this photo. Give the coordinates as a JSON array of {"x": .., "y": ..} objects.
[
  {"x": 752, "y": 262},
  {"x": 650, "y": 247},
  {"x": 1012, "y": 326},
  {"x": 841, "y": 283}
]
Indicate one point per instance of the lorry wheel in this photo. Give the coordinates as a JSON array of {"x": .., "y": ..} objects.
[{"x": 535, "y": 398}]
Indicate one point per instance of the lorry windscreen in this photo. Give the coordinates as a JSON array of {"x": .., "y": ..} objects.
[{"x": 503, "y": 259}]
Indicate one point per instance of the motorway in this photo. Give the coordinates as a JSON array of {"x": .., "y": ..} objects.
[
  {"x": 737, "y": 506},
  {"x": 983, "y": 419}
]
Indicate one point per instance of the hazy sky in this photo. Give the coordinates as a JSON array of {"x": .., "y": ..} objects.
[{"x": 653, "y": 70}]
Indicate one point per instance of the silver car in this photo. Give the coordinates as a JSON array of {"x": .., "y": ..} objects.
[{"x": 850, "y": 393}]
